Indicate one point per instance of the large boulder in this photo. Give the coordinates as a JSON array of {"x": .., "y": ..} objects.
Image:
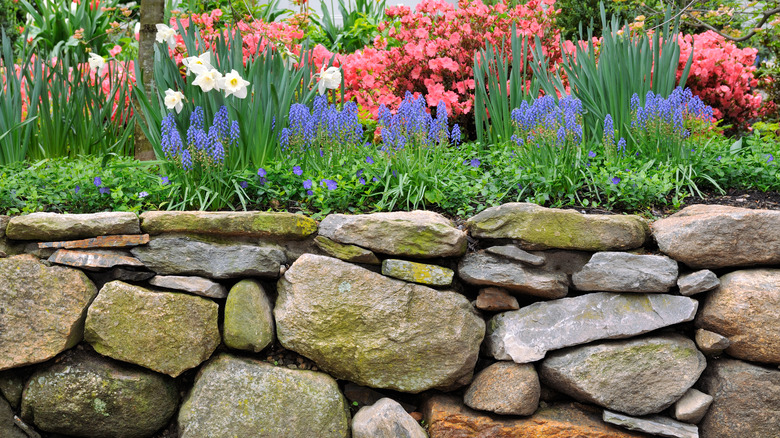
[
  {"x": 249, "y": 318},
  {"x": 623, "y": 272},
  {"x": 746, "y": 310},
  {"x": 254, "y": 224},
  {"x": 422, "y": 234},
  {"x": 363, "y": 327},
  {"x": 716, "y": 236},
  {"x": 55, "y": 226},
  {"x": 636, "y": 376},
  {"x": 527, "y": 334},
  {"x": 42, "y": 310},
  {"x": 486, "y": 269},
  {"x": 87, "y": 395},
  {"x": 536, "y": 227},
  {"x": 746, "y": 400},
  {"x": 244, "y": 397},
  {"x": 506, "y": 388},
  {"x": 385, "y": 419},
  {"x": 164, "y": 331}
]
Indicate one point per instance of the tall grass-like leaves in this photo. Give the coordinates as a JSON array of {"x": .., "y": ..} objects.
[
  {"x": 17, "y": 123},
  {"x": 359, "y": 25}
]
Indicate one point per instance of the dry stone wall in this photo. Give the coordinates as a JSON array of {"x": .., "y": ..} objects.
[{"x": 522, "y": 322}]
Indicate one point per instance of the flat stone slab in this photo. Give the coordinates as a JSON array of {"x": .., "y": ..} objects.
[
  {"x": 123, "y": 241},
  {"x": 255, "y": 224},
  {"x": 623, "y": 272},
  {"x": 421, "y": 234},
  {"x": 526, "y": 335},
  {"x": 194, "y": 285},
  {"x": 697, "y": 282},
  {"x": 538, "y": 227},
  {"x": 348, "y": 253},
  {"x": 56, "y": 226},
  {"x": 513, "y": 252},
  {"x": 484, "y": 269},
  {"x": 93, "y": 259},
  {"x": 655, "y": 425},
  {"x": 421, "y": 273}
]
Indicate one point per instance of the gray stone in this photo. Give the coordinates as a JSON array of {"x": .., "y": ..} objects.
[
  {"x": 348, "y": 253},
  {"x": 711, "y": 343},
  {"x": 495, "y": 299},
  {"x": 8, "y": 427},
  {"x": 422, "y": 234},
  {"x": 697, "y": 282},
  {"x": 121, "y": 241},
  {"x": 254, "y": 224},
  {"x": 12, "y": 384},
  {"x": 42, "y": 308},
  {"x": 525, "y": 335},
  {"x": 249, "y": 319},
  {"x": 194, "y": 285},
  {"x": 485, "y": 269},
  {"x": 188, "y": 256},
  {"x": 87, "y": 395},
  {"x": 655, "y": 425},
  {"x": 3, "y": 224},
  {"x": 624, "y": 272},
  {"x": 55, "y": 226},
  {"x": 512, "y": 252},
  {"x": 432, "y": 275},
  {"x": 746, "y": 400},
  {"x": 102, "y": 277},
  {"x": 163, "y": 331},
  {"x": 636, "y": 376},
  {"x": 244, "y": 397},
  {"x": 360, "y": 326},
  {"x": 95, "y": 258},
  {"x": 506, "y": 388},
  {"x": 692, "y": 406},
  {"x": 385, "y": 419}
]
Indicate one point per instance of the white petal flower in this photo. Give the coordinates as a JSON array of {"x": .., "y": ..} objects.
[
  {"x": 208, "y": 80},
  {"x": 97, "y": 62},
  {"x": 165, "y": 33},
  {"x": 234, "y": 84},
  {"x": 330, "y": 79},
  {"x": 174, "y": 99},
  {"x": 198, "y": 64}
]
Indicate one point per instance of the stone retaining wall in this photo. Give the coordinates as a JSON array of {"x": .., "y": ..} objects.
[{"x": 522, "y": 322}]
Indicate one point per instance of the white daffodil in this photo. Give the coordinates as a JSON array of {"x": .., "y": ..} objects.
[
  {"x": 330, "y": 79},
  {"x": 198, "y": 64},
  {"x": 208, "y": 80},
  {"x": 174, "y": 99},
  {"x": 234, "y": 84},
  {"x": 98, "y": 63},
  {"x": 165, "y": 33}
]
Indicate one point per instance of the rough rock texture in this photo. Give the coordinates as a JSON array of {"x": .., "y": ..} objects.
[
  {"x": 348, "y": 253},
  {"x": 3, "y": 224},
  {"x": 538, "y": 227},
  {"x": 746, "y": 309},
  {"x": 195, "y": 285},
  {"x": 746, "y": 400},
  {"x": 513, "y": 252},
  {"x": 12, "y": 384},
  {"x": 96, "y": 258},
  {"x": 448, "y": 418},
  {"x": 422, "y": 234},
  {"x": 163, "y": 331},
  {"x": 716, "y": 236},
  {"x": 188, "y": 256},
  {"x": 42, "y": 310},
  {"x": 711, "y": 343},
  {"x": 122, "y": 241},
  {"x": 624, "y": 272},
  {"x": 248, "y": 398},
  {"x": 375, "y": 331},
  {"x": 230, "y": 223},
  {"x": 655, "y": 424},
  {"x": 385, "y": 419},
  {"x": 249, "y": 318},
  {"x": 636, "y": 376},
  {"x": 525, "y": 335},
  {"x": 692, "y": 406},
  {"x": 697, "y": 282},
  {"x": 7, "y": 427},
  {"x": 484, "y": 269},
  {"x": 87, "y": 395},
  {"x": 496, "y": 299},
  {"x": 55, "y": 226},
  {"x": 422, "y": 273},
  {"x": 506, "y": 388}
]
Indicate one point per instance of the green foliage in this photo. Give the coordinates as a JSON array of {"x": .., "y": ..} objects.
[
  {"x": 579, "y": 14},
  {"x": 17, "y": 123},
  {"x": 10, "y": 19},
  {"x": 359, "y": 24}
]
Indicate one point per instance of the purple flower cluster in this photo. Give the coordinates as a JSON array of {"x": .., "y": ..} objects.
[
  {"x": 206, "y": 148},
  {"x": 670, "y": 116},
  {"x": 323, "y": 128},
  {"x": 544, "y": 121},
  {"x": 413, "y": 126}
]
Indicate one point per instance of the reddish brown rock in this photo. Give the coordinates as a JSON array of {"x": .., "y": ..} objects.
[
  {"x": 505, "y": 388},
  {"x": 121, "y": 241},
  {"x": 93, "y": 259},
  {"x": 496, "y": 299}
]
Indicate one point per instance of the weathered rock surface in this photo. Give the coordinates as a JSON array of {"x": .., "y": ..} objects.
[
  {"x": 513, "y": 252},
  {"x": 496, "y": 299},
  {"x": 538, "y": 227},
  {"x": 484, "y": 269},
  {"x": 12, "y": 384},
  {"x": 7, "y": 427},
  {"x": 163, "y": 331},
  {"x": 95, "y": 258},
  {"x": 385, "y": 419},
  {"x": 655, "y": 425},
  {"x": 527, "y": 334},
  {"x": 506, "y": 388},
  {"x": 692, "y": 406},
  {"x": 716, "y": 236},
  {"x": 102, "y": 277},
  {"x": 3, "y": 224},
  {"x": 624, "y": 272},
  {"x": 448, "y": 418},
  {"x": 697, "y": 282},
  {"x": 249, "y": 319},
  {"x": 634, "y": 376},
  {"x": 188, "y": 256},
  {"x": 375, "y": 331},
  {"x": 194, "y": 285},
  {"x": 255, "y": 224},
  {"x": 422, "y": 234},
  {"x": 422, "y": 273},
  {"x": 746, "y": 309},
  {"x": 746, "y": 400},
  {"x": 55, "y": 226},
  {"x": 348, "y": 253},
  {"x": 123, "y": 241},
  {"x": 42, "y": 310},
  {"x": 272, "y": 402},
  {"x": 87, "y": 395},
  {"x": 711, "y": 343}
]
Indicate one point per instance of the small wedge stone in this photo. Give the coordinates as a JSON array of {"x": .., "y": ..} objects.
[
  {"x": 711, "y": 343},
  {"x": 512, "y": 252},
  {"x": 692, "y": 406},
  {"x": 697, "y": 282},
  {"x": 348, "y": 253},
  {"x": 417, "y": 272},
  {"x": 656, "y": 425},
  {"x": 496, "y": 299},
  {"x": 195, "y": 285}
]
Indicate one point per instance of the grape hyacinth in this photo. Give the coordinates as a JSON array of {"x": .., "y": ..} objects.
[
  {"x": 413, "y": 126},
  {"x": 204, "y": 149},
  {"x": 546, "y": 122},
  {"x": 322, "y": 129}
]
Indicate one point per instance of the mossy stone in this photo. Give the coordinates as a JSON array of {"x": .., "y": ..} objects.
[
  {"x": 278, "y": 225},
  {"x": 56, "y": 226},
  {"x": 249, "y": 319},
  {"x": 348, "y": 253},
  {"x": 418, "y": 272}
]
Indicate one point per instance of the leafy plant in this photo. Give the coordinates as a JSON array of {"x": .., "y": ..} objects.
[
  {"x": 359, "y": 23},
  {"x": 17, "y": 116}
]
